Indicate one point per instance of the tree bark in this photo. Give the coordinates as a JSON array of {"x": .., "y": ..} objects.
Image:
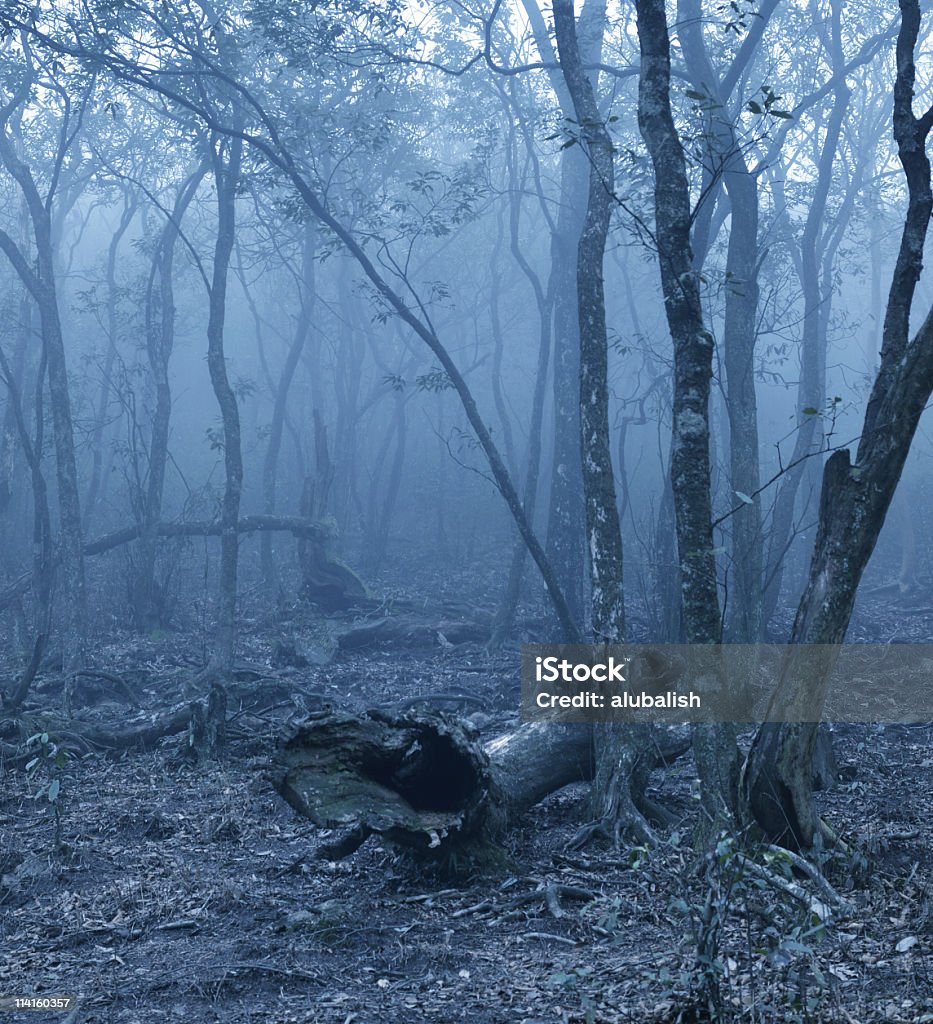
[
  {"x": 740, "y": 327},
  {"x": 714, "y": 744},
  {"x": 603, "y": 533},
  {"x": 566, "y": 525},
  {"x": 618, "y": 747}
]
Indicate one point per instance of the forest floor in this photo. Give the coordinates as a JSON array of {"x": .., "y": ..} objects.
[{"x": 190, "y": 891}]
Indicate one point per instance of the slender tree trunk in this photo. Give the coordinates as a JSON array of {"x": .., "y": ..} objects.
[
  {"x": 714, "y": 745},
  {"x": 566, "y": 513},
  {"x": 106, "y": 386},
  {"x": 302, "y": 327},
  {"x": 226, "y": 178},
  {"x": 811, "y": 393},
  {"x": 603, "y": 535},
  {"x": 618, "y": 747},
  {"x": 160, "y": 341},
  {"x": 740, "y": 328}
]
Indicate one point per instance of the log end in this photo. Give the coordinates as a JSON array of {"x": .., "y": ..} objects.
[{"x": 419, "y": 780}]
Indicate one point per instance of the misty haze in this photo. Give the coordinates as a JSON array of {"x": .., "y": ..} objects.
[{"x": 350, "y": 346}]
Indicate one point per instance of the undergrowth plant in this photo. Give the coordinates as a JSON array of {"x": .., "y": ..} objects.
[{"x": 46, "y": 767}]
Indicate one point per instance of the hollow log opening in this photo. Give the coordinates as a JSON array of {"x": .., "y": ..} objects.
[
  {"x": 432, "y": 774},
  {"x": 420, "y": 780}
]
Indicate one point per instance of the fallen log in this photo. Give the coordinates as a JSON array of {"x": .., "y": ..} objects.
[
  {"x": 296, "y": 525},
  {"x": 424, "y": 781},
  {"x": 146, "y": 729},
  {"x": 411, "y": 632},
  {"x": 212, "y": 528}
]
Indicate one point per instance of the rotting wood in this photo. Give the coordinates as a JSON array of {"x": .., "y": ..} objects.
[{"x": 425, "y": 782}]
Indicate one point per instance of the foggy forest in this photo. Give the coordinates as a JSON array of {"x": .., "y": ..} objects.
[{"x": 350, "y": 347}]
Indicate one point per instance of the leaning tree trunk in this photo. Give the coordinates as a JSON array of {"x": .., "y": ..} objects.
[
  {"x": 855, "y": 497},
  {"x": 714, "y": 744}
]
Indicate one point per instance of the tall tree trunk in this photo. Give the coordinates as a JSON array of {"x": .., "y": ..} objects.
[
  {"x": 740, "y": 327},
  {"x": 603, "y": 535},
  {"x": 270, "y": 464},
  {"x": 566, "y": 513},
  {"x": 714, "y": 745},
  {"x": 811, "y": 392},
  {"x": 226, "y": 177},
  {"x": 618, "y": 747},
  {"x": 106, "y": 386},
  {"x": 148, "y": 607},
  {"x": 855, "y": 497}
]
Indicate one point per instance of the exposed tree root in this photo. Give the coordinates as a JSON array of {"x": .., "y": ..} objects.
[
  {"x": 814, "y": 874},
  {"x": 546, "y": 896},
  {"x": 627, "y": 757},
  {"x": 822, "y": 910},
  {"x": 613, "y": 827}
]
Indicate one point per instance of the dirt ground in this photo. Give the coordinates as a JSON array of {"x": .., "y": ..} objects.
[{"x": 190, "y": 892}]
